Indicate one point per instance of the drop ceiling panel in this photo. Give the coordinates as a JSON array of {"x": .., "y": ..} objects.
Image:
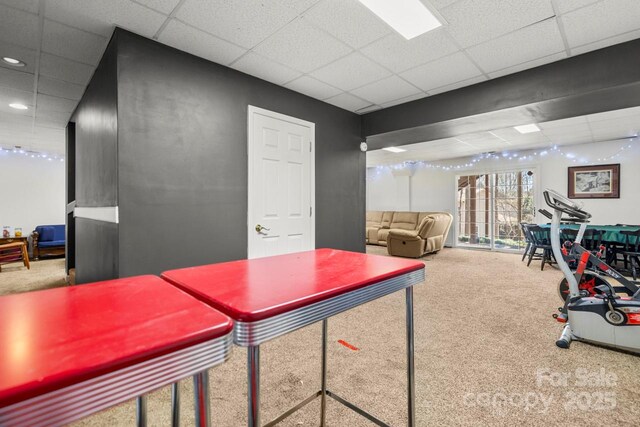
[
  {"x": 242, "y": 22},
  {"x": 475, "y": 21},
  {"x": 101, "y": 16},
  {"x": 197, "y": 42},
  {"x": 403, "y": 100},
  {"x": 348, "y": 102},
  {"x": 30, "y": 6},
  {"x": 56, "y": 119},
  {"x": 19, "y": 27},
  {"x": 28, "y": 56},
  {"x": 631, "y": 35},
  {"x": 72, "y": 43},
  {"x": 350, "y": 72},
  {"x": 602, "y": 19},
  {"x": 348, "y": 21},
  {"x": 527, "y": 44},
  {"x": 162, "y": 6},
  {"x": 265, "y": 69},
  {"x": 528, "y": 65},
  {"x": 445, "y": 71},
  {"x": 65, "y": 69},
  {"x": 297, "y": 44},
  {"x": 457, "y": 85},
  {"x": 387, "y": 90},
  {"x": 10, "y": 95},
  {"x": 398, "y": 54},
  {"x": 54, "y": 87},
  {"x": 54, "y": 103},
  {"x": 565, "y": 6},
  {"x": 16, "y": 79},
  {"x": 312, "y": 87}
]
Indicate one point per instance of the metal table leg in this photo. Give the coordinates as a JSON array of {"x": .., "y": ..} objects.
[
  {"x": 323, "y": 389},
  {"x": 141, "y": 411},
  {"x": 253, "y": 369},
  {"x": 411, "y": 384},
  {"x": 201, "y": 399},
  {"x": 175, "y": 405}
]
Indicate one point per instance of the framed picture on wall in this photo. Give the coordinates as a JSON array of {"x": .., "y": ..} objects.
[{"x": 594, "y": 182}]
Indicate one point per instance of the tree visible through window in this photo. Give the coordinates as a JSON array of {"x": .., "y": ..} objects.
[{"x": 491, "y": 208}]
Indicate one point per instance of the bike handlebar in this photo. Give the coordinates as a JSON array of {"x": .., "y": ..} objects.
[{"x": 562, "y": 204}]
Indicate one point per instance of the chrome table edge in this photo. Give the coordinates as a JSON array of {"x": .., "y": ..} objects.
[
  {"x": 246, "y": 334},
  {"x": 60, "y": 407}
]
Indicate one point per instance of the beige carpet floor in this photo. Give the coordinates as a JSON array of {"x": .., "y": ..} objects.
[
  {"x": 485, "y": 356},
  {"x": 44, "y": 274}
]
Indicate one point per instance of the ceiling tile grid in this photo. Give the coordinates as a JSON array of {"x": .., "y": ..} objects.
[
  {"x": 603, "y": 19},
  {"x": 348, "y": 21},
  {"x": 313, "y": 87},
  {"x": 242, "y": 22},
  {"x": 266, "y": 69},
  {"x": 387, "y": 90},
  {"x": 333, "y": 50},
  {"x": 526, "y": 44},
  {"x": 445, "y": 71},
  {"x": 199, "y": 43},
  {"x": 350, "y": 72}
]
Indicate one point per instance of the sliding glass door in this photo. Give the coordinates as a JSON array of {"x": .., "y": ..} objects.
[{"x": 490, "y": 208}]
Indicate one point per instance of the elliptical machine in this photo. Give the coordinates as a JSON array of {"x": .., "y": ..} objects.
[{"x": 605, "y": 318}]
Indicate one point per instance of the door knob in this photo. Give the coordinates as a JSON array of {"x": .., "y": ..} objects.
[{"x": 259, "y": 228}]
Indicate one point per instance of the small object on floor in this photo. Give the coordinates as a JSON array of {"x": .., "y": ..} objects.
[
  {"x": 13, "y": 252},
  {"x": 349, "y": 346},
  {"x": 71, "y": 277}
]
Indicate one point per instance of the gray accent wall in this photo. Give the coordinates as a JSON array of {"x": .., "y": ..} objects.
[
  {"x": 96, "y": 173},
  {"x": 182, "y": 160}
]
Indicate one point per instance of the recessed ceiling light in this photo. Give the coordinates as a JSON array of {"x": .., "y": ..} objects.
[
  {"x": 19, "y": 106},
  {"x": 410, "y": 18},
  {"x": 527, "y": 128},
  {"x": 13, "y": 61},
  {"x": 395, "y": 149}
]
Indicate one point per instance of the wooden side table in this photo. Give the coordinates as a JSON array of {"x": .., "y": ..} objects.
[
  {"x": 12, "y": 252},
  {"x": 23, "y": 239}
]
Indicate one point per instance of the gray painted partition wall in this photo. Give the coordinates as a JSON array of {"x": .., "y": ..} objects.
[
  {"x": 182, "y": 161},
  {"x": 96, "y": 155}
]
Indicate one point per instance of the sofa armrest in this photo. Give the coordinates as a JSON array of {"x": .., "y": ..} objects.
[
  {"x": 404, "y": 234},
  {"x": 425, "y": 227}
]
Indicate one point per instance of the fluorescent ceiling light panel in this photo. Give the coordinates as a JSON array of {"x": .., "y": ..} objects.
[
  {"x": 527, "y": 128},
  {"x": 410, "y": 18},
  {"x": 395, "y": 149}
]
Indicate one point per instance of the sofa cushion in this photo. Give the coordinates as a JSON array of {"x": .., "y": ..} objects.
[
  {"x": 404, "y": 221},
  {"x": 374, "y": 218},
  {"x": 51, "y": 243},
  {"x": 45, "y": 234},
  {"x": 425, "y": 227},
  {"x": 386, "y": 219},
  {"x": 382, "y": 236},
  {"x": 58, "y": 232}
]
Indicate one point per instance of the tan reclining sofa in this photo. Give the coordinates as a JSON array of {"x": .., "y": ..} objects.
[{"x": 408, "y": 234}]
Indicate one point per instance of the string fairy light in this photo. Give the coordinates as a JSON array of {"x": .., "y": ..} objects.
[
  {"x": 19, "y": 151},
  {"x": 521, "y": 156}
]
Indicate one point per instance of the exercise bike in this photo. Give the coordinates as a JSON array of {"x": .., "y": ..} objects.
[{"x": 598, "y": 316}]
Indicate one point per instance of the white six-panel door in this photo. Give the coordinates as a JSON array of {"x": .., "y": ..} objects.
[{"x": 281, "y": 190}]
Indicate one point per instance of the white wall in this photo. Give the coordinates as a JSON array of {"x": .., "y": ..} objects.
[
  {"x": 434, "y": 189},
  {"x": 32, "y": 192}
]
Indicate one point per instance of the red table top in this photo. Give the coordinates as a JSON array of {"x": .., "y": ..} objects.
[
  {"x": 54, "y": 338},
  {"x": 252, "y": 290}
]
